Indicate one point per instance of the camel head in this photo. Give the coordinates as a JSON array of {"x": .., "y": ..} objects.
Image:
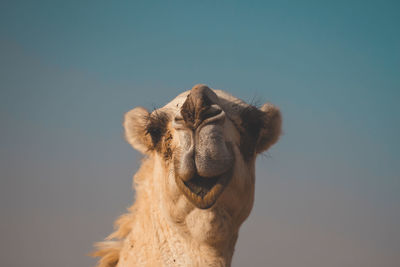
[{"x": 207, "y": 142}]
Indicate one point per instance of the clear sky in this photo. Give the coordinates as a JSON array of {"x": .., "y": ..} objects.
[{"x": 326, "y": 195}]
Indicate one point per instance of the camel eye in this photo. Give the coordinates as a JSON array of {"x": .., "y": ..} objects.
[{"x": 157, "y": 126}]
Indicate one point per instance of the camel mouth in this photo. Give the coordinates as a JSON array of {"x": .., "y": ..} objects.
[
  {"x": 200, "y": 185},
  {"x": 203, "y": 192}
]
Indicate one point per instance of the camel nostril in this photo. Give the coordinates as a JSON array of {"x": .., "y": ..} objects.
[
  {"x": 179, "y": 119},
  {"x": 212, "y": 111},
  {"x": 200, "y": 105}
]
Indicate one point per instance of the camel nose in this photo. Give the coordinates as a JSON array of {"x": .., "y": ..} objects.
[{"x": 199, "y": 106}]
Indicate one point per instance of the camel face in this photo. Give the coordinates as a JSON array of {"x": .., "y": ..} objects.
[
  {"x": 195, "y": 187},
  {"x": 203, "y": 165},
  {"x": 207, "y": 141}
]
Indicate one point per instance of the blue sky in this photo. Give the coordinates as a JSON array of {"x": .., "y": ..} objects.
[{"x": 69, "y": 70}]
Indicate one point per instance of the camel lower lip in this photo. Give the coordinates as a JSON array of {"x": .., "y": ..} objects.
[
  {"x": 201, "y": 185},
  {"x": 203, "y": 192}
]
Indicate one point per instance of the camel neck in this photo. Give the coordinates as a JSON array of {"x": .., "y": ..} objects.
[
  {"x": 200, "y": 238},
  {"x": 177, "y": 247}
]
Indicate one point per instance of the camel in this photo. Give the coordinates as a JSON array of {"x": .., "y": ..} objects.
[{"x": 195, "y": 186}]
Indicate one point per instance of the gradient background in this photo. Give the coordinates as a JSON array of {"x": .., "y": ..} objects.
[{"x": 328, "y": 194}]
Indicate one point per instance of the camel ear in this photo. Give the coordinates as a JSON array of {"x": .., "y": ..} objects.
[
  {"x": 135, "y": 125},
  {"x": 271, "y": 127}
]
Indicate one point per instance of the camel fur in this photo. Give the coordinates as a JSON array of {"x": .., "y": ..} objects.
[{"x": 195, "y": 186}]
